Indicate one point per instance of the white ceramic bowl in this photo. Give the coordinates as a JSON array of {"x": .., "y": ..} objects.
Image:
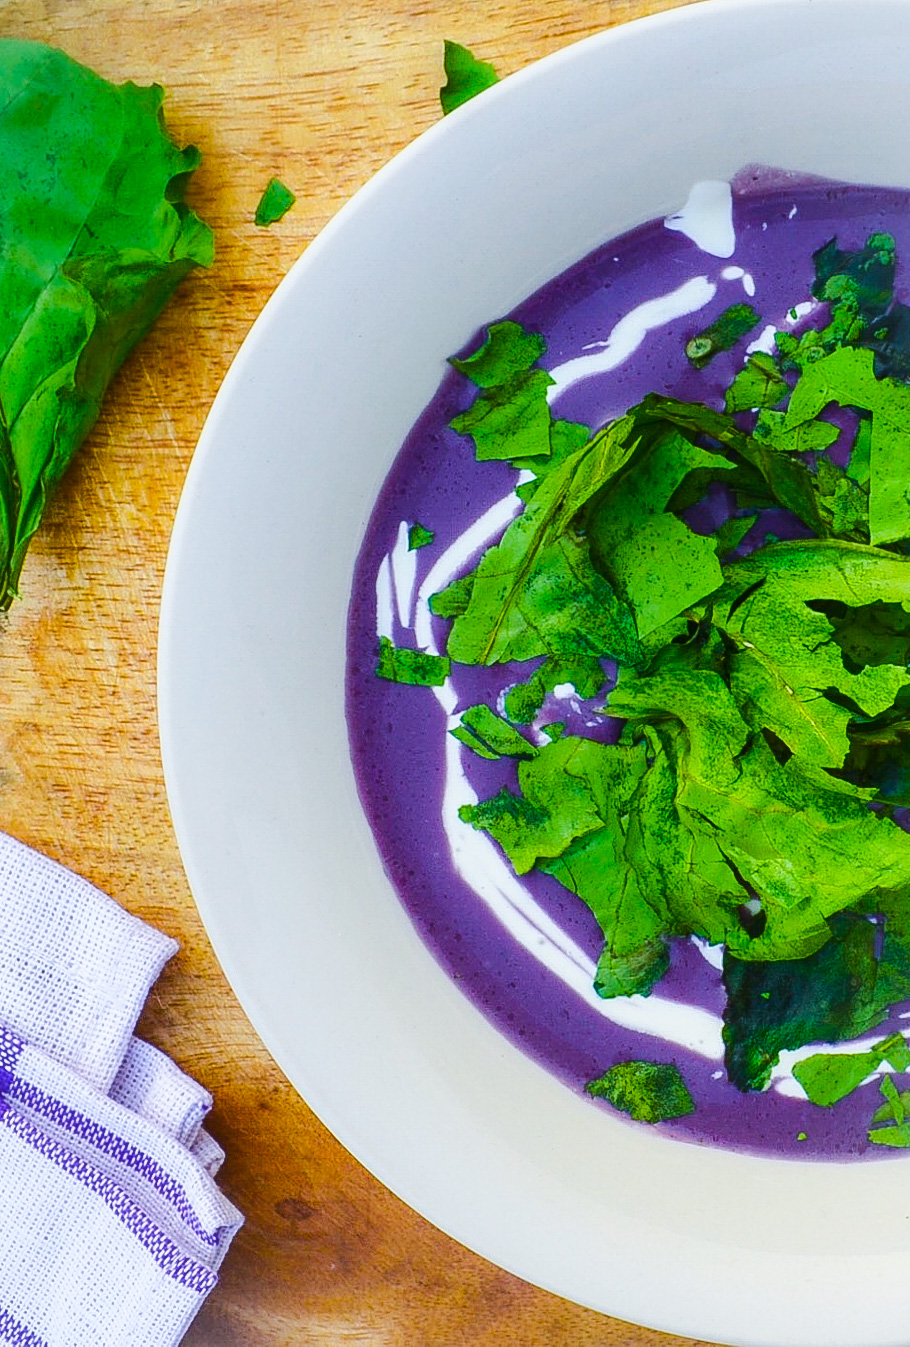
[{"x": 466, "y": 222}]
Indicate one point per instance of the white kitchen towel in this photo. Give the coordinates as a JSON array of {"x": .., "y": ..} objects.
[
  {"x": 76, "y": 967},
  {"x": 149, "y": 1083},
  {"x": 111, "y": 1226}
]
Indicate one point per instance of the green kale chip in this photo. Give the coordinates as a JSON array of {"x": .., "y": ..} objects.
[
  {"x": 488, "y": 735},
  {"x": 726, "y": 330},
  {"x": 397, "y": 664},
  {"x": 418, "y": 537},
  {"x": 828, "y": 1077},
  {"x": 649, "y": 1092}
]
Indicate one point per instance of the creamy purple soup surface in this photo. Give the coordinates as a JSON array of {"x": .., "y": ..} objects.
[{"x": 398, "y": 733}]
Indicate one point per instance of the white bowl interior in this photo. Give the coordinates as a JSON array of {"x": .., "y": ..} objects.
[{"x": 454, "y": 232}]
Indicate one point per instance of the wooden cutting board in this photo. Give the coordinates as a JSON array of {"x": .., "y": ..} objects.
[{"x": 320, "y": 93}]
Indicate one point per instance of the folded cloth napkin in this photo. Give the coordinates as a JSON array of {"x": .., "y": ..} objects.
[{"x": 111, "y": 1225}]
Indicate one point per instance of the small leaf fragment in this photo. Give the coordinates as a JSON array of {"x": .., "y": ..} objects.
[
  {"x": 466, "y": 76},
  {"x": 722, "y": 334},
  {"x": 397, "y": 664},
  {"x": 418, "y": 537},
  {"x": 649, "y": 1092},
  {"x": 507, "y": 351},
  {"x": 759, "y": 384},
  {"x": 274, "y": 204},
  {"x": 488, "y": 735}
]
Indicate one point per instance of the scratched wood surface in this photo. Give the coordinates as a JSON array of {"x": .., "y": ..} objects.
[{"x": 322, "y": 93}]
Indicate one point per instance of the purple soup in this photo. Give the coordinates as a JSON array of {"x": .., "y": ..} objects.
[{"x": 524, "y": 948}]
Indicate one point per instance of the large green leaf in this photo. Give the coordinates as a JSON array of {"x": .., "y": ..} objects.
[{"x": 96, "y": 236}]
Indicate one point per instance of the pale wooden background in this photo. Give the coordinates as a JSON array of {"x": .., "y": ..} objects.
[{"x": 322, "y": 93}]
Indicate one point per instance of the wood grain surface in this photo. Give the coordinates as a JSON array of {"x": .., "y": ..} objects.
[{"x": 321, "y": 93}]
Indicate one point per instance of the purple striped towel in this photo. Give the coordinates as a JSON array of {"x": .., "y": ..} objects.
[{"x": 112, "y": 1228}]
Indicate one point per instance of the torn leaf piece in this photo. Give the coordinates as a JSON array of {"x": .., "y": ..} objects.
[
  {"x": 535, "y": 592},
  {"x": 96, "y": 237},
  {"x": 274, "y": 203},
  {"x": 466, "y": 76},
  {"x": 785, "y": 660},
  {"x": 506, "y": 352},
  {"x": 659, "y": 566},
  {"x": 562, "y": 798},
  {"x": 847, "y": 377},
  {"x": 510, "y": 417},
  {"x": 418, "y": 537},
  {"x": 649, "y": 1092},
  {"x": 723, "y": 334},
  {"x": 828, "y": 1077},
  {"x": 808, "y": 437},
  {"x": 509, "y": 420},
  {"x": 829, "y": 997},
  {"x": 488, "y": 735},
  {"x": 895, "y": 1113},
  {"x": 759, "y": 384},
  {"x": 397, "y": 664}
]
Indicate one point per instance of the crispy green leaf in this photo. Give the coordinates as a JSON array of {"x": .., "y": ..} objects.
[
  {"x": 96, "y": 237},
  {"x": 635, "y": 922},
  {"x": 807, "y": 437},
  {"x": 454, "y": 599},
  {"x": 418, "y": 536},
  {"x": 506, "y": 352},
  {"x": 488, "y": 735},
  {"x": 657, "y": 563},
  {"x": 898, "y": 1135},
  {"x": 847, "y": 377},
  {"x": 828, "y": 997},
  {"x": 466, "y": 76},
  {"x": 509, "y": 420},
  {"x": 649, "y": 1092},
  {"x": 557, "y": 803},
  {"x": 274, "y": 204},
  {"x": 786, "y": 660},
  {"x": 722, "y": 334},
  {"x": 759, "y": 384},
  {"x": 829, "y": 1077},
  {"x": 517, "y": 576},
  {"x": 397, "y": 664}
]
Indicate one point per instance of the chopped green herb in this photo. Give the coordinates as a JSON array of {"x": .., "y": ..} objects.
[
  {"x": 724, "y": 333},
  {"x": 274, "y": 203},
  {"x": 466, "y": 77},
  {"x": 827, "y": 1077},
  {"x": 759, "y": 384},
  {"x": 895, "y": 1114},
  {"x": 648, "y": 1091},
  {"x": 418, "y": 537},
  {"x": 490, "y": 736},
  {"x": 400, "y": 665}
]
